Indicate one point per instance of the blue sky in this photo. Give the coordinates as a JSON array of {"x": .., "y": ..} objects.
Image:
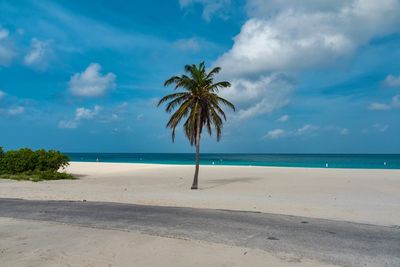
[{"x": 307, "y": 76}]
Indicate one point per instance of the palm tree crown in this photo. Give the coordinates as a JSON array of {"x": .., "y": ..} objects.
[{"x": 199, "y": 102}]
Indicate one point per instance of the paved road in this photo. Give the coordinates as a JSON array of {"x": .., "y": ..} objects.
[{"x": 342, "y": 243}]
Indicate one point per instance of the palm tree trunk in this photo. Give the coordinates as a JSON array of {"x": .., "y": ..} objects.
[{"x": 196, "y": 171}]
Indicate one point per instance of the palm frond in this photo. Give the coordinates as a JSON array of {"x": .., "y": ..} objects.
[
  {"x": 226, "y": 103},
  {"x": 172, "y": 80},
  {"x": 217, "y": 121},
  {"x": 169, "y": 97},
  {"x": 177, "y": 101},
  {"x": 219, "y": 85},
  {"x": 214, "y": 71},
  {"x": 219, "y": 110},
  {"x": 178, "y": 116}
]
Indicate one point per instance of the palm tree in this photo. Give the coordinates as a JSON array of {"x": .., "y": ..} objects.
[{"x": 198, "y": 103}]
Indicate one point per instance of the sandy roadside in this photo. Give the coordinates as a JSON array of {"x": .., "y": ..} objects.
[
  {"x": 367, "y": 196},
  {"x": 34, "y": 243}
]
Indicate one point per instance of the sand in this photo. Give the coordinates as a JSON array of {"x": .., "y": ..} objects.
[
  {"x": 365, "y": 196},
  {"x": 33, "y": 243}
]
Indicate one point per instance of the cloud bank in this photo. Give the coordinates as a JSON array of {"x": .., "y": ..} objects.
[
  {"x": 305, "y": 34},
  {"x": 287, "y": 37},
  {"x": 263, "y": 95}
]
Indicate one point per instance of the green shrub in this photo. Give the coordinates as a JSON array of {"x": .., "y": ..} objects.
[
  {"x": 50, "y": 160},
  {"x": 37, "y": 176},
  {"x": 18, "y": 161},
  {"x": 41, "y": 164}
]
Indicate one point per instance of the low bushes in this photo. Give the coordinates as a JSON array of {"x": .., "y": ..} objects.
[{"x": 26, "y": 164}]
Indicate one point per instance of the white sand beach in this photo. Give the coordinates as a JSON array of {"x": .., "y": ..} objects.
[
  {"x": 366, "y": 196},
  {"x": 34, "y": 243}
]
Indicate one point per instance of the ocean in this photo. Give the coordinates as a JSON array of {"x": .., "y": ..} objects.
[{"x": 358, "y": 161}]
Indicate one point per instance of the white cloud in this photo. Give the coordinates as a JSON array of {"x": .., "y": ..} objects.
[
  {"x": 307, "y": 129},
  {"x": 392, "y": 81},
  {"x": 396, "y": 101},
  {"x": 16, "y": 111},
  {"x": 123, "y": 106},
  {"x": 191, "y": 44},
  {"x": 2, "y": 94},
  {"x": 109, "y": 118},
  {"x": 91, "y": 83},
  {"x": 210, "y": 7},
  {"x": 285, "y": 37},
  {"x": 139, "y": 117},
  {"x": 98, "y": 114},
  {"x": 383, "y": 106},
  {"x": 379, "y": 106},
  {"x": 67, "y": 124},
  {"x": 344, "y": 131},
  {"x": 3, "y": 33},
  {"x": 86, "y": 113},
  {"x": 256, "y": 97},
  {"x": 283, "y": 118},
  {"x": 264, "y": 8},
  {"x": 294, "y": 37},
  {"x": 380, "y": 127},
  {"x": 80, "y": 114},
  {"x": 275, "y": 134},
  {"x": 6, "y": 48},
  {"x": 38, "y": 55},
  {"x": 336, "y": 129},
  {"x": 114, "y": 114}
]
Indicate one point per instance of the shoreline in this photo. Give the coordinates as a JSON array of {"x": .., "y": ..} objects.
[{"x": 228, "y": 165}]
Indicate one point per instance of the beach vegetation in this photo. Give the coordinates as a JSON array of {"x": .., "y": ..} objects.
[
  {"x": 197, "y": 103},
  {"x": 26, "y": 164}
]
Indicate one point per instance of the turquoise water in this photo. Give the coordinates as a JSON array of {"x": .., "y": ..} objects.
[{"x": 359, "y": 161}]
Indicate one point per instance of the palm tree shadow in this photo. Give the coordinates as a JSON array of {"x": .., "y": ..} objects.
[{"x": 226, "y": 181}]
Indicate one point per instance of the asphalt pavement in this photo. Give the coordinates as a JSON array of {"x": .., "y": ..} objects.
[{"x": 336, "y": 242}]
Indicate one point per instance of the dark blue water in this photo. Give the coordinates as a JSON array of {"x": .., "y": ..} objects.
[{"x": 359, "y": 161}]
